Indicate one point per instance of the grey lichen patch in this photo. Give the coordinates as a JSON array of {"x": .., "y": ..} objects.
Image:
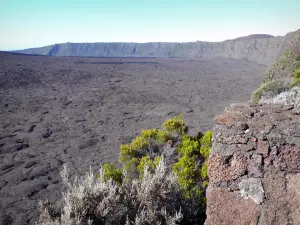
[{"x": 252, "y": 188}]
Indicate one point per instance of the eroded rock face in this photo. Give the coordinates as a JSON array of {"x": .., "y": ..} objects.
[{"x": 254, "y": 167}]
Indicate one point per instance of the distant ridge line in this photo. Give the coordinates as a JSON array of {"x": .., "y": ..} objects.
[{"x": 260, "y": 48}]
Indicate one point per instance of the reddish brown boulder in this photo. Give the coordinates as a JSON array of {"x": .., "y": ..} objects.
[
  {"x": 224, "y": 120},
  {"x": 230, "y": 208},
  {"x": 222, "y": 168}
]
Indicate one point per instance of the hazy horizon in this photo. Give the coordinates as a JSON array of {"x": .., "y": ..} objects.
[{"x": 42, "y": 23}]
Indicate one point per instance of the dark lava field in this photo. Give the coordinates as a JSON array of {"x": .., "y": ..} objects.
[{"x": 75, "y": 110}]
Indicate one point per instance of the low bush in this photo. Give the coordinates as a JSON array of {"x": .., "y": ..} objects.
[
  {"x": 291, "y": 97},
  {"x": 206, "y": 144},
  {"x": 275, "y": 87},
  {"x": 187, "y": 174},
  {"x": 146, "y": 161},
  {"x": 111, "y": 172},
  {"x": 155, "y": 199},
  {"x": 296, "y": 80},
  {"x": 189, "y": 145},
  {"x": 175, "y": 125},
  {"x": 153, "y": 187},
  {"x": 146, "y": 144},
  {"x": 193, "y": 151}
]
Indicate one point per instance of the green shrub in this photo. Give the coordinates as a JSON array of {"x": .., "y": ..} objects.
[
  {"x": 111, "y": 172},
  {"x": 192, "y": 151},
  {"x": 188, "y": 145},
  {"x": 206, "y": 144},
  {"x": 296, "y": 80},
  {"x": 203, "y": 171},
  {"x": 146, "y": 161},
  {"x": 131, "y": 154},
  {"x": 132, "y": 150},
  {"x": 139, "y": 146},
  {"x": 205, "y": 184},
  {"x": 295, "y": 83},
  {"x": 273, "y": 86},
  {"x": 297, "y": 74},
  {"x": 187, "y": 174},
  {"x": 161, "y": 187},
  {"x": 175, "y": 125},
  {"x": 159, "y": 136}
]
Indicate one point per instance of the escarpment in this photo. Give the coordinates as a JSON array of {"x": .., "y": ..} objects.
[
  {"x": 262, "y": 49},
  {"x": 254, "y": 167}
]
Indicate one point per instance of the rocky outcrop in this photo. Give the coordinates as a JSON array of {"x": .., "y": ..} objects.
[
  {"x": 262, "y": 49},
  {"x": 254, "y": 167}
]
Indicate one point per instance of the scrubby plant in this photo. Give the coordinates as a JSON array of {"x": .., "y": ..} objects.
[
  {"x": 296, "y": 80},
  {"x": 111, "y": 172},
  {"x": 206, "y": 144},
  {"x": 203, "y": 171},
  {"x": 175, "y": 125},
  {"x": 189, "y": 145},
  {"x": 159, "y": 136},
  {"x": 272, "y": 86},
  {"x": 291, "y": 97},
  {"x": 155, "y": 199},
  {"x": 146, "y": 161},
  {"x": 141, "y": 144},
  {"x": 187, "y": 174},
  {"x": 149, "y": 189},
  {"x": 144, "y": 146},
  {"x": 193, "y": 151}
]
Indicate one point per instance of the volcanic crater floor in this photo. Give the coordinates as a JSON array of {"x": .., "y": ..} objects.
[{"x": 76, "y": 110}]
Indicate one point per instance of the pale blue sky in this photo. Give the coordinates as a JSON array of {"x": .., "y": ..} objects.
[{"x": 34, "y": 23}]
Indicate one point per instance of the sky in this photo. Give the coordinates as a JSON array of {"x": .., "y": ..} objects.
[{"x": 35, "y": 23}]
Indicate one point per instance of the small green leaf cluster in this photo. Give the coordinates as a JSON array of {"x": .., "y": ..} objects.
[
  {"x": 159, "y": 136},
  {"x": 187, "y": 174},
  {"x": 203, "y": 171},
  {"x": 189, "y": 145},
  {"x": 193, "y": 150},
  {"x": 146, "y": 161},
  {"x": 131, "y": 154},
  {"x": 111, "y": 172},
  {"x": 273, "y": 86},
  {"x": 175, "y": 125},
  {"x": 296, "y": 80},
  {"x": 206, "y": 144}
]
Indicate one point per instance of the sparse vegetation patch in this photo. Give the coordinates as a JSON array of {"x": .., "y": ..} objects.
[
  {"x": 272, "y": 86},
  {"x": 162, "y": 181},
  {"x": 296, "y": 80}
]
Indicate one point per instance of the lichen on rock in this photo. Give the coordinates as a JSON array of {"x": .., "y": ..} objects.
[{"x": 252, "y": 188}]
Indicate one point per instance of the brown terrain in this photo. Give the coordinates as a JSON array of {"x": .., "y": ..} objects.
[{"x": 73, "y": 110}]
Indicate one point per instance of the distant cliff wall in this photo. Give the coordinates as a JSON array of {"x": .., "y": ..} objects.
[
  {"x": 263, "y": 50},
  {"x": 254, "y": 167}
]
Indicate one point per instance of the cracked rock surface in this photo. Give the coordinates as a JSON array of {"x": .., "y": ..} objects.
[{"x": 254, "y": 167}]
